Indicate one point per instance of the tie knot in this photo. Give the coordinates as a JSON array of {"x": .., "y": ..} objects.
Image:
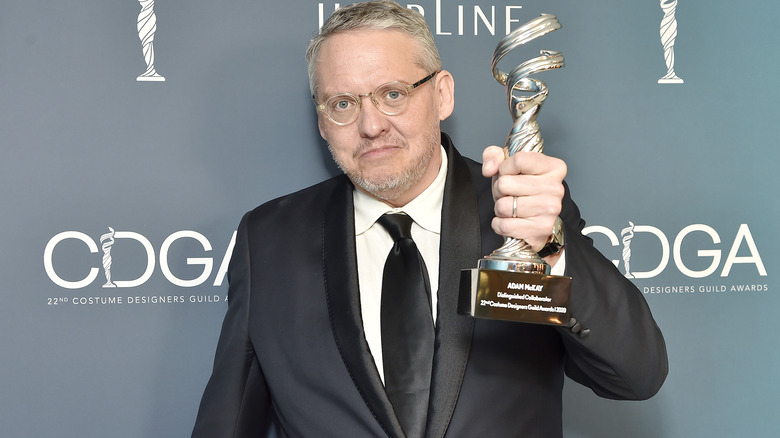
[{"x": 398, "y": 225}]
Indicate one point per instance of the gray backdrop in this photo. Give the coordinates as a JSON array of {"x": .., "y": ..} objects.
[{"x": 171, "y": 166}]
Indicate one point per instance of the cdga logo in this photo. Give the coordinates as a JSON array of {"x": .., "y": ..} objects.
[
  {"x": 743, "y": 242},
  {"x": 107, "y": 242}
]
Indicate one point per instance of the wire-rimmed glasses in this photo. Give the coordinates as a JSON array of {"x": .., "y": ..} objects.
[{"x": 390, "y": 98}]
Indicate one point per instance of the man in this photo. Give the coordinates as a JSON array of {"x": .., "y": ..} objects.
[{"x": 301, "y": 345}]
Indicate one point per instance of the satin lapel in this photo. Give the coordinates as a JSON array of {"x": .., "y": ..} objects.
[
  {"x": 460, "y": 249},
  {"x": 341, "y": 288}
]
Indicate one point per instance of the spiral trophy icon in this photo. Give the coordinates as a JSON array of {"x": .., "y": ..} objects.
[
  {"x": 668, "y": 37},
  {"x": 147, "y": 27},
  {"x": 627, "y": 234},
  {"x": 106, "y": 242},
  {"x": 513, "y": 282}
]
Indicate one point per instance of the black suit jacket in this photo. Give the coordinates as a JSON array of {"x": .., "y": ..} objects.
[{"x": 292, "y": 351}]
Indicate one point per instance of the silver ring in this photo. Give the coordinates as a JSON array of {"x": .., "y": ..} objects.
[{"x": 514, "y": 206}]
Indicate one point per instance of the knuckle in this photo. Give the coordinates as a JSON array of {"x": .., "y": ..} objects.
[
  {"x": 553, "y": 207},
  {"x": 502, "y": 184},
  {"x": 496, "y": 225},
  {"x": 497, "y": 208},
  {"x": 498, "y": 182},
  {"x": 564, "y": 169},
  {"x": 500, "y": 226}
]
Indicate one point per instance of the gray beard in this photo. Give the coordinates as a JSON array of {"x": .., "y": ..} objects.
[
  {"x": 388, "y": 189},
  {"x": 392, "y": 187}
]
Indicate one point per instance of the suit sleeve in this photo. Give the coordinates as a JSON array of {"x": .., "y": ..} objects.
[
  {"x": 618, "y": 350},
  {"x": 236, "y": 401}
]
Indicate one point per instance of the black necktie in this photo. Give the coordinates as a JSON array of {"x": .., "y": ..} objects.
[{"x": 407, "y": 327}]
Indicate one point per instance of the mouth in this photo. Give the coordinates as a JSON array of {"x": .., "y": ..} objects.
[{"x": 375, "y": 151}]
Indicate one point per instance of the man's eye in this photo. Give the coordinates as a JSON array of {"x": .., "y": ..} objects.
[
  {"x": 393, "y": 95},
  {"x": 342, "y": 105}
]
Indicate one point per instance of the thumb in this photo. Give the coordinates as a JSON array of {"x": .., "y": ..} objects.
[{"x": 492, "y": 157}]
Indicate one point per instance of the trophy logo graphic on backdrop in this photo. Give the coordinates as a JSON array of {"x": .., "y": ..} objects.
[
  {"x": 514, "y": 283},
  {"x": 627, "y": 234},
  {"x": 106, "y": 242},
  {"x": 668, "y": 36},
  {"x": 147, "y": 26}
]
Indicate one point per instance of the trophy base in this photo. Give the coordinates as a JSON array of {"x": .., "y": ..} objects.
[
  {"x": 527, "y": 262},
  {"x": 155, "y": 78},
  {"x": 529, "y": 297}
]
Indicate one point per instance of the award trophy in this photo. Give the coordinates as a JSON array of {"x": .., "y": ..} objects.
[{"x": 514, "y": 283}]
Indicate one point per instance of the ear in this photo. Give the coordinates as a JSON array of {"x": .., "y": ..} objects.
[
  {"x": 445, "y": 88},
  {"x": 321, "y": 126}
]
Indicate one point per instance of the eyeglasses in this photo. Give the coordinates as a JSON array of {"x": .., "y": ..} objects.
[{"x": 390, "y": 98}]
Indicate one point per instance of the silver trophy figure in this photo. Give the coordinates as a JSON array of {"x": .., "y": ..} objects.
[
  {"x": 524, "y": 136},
  {"x": 147, "y": 26},
  {"x": 513, "y": 282}
]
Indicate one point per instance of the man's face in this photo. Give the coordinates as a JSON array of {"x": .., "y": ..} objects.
[{"x": 393, "y": 158}]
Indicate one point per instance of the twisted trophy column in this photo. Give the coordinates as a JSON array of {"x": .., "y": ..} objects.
[
  {"x": 106, "y": 242},
  {"x": 147, "y": 26},
  {"x": 668, "y": 36},
  {"x": 627, "y": 234},
  {"x": 524, "y": 135}
]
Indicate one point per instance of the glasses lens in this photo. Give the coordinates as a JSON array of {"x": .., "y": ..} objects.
[
  {"x": 342, "y": 108},
  {"x": 392, "y": 98}
]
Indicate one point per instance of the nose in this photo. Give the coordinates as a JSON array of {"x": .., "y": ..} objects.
[{"x": 371, "y": 122}]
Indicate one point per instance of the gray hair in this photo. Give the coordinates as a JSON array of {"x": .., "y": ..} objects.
[{"x": 375, "y": 15}]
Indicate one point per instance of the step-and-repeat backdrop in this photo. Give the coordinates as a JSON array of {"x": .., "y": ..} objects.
[{"x": 135, "y": 134}]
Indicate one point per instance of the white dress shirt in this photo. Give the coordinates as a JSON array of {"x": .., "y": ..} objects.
[{"x": 371, "y": 240}]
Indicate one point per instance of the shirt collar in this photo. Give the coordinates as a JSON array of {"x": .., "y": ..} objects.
[{"x": 425, "y": 209}]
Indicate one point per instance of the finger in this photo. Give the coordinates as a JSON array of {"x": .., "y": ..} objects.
[
  {"x": 528, "y": 185},
  {"x": 492, "y": 157},
  {"x": 505, "y": 207},
  {"x": 528, "y": 207},
  {"x": 536, "y": 232},
  {"x": 532, "y": 163}
]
